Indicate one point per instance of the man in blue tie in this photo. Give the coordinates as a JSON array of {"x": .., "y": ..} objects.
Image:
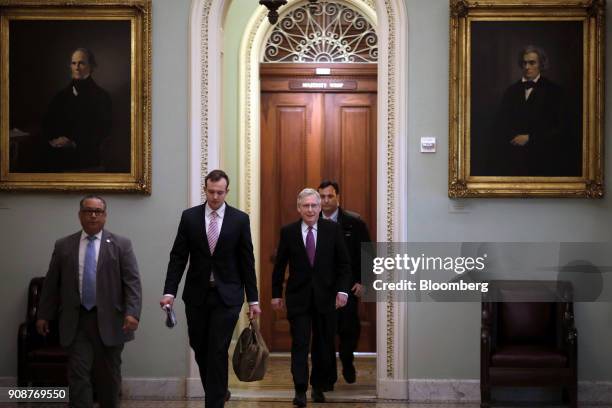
[
  {"x": 318, "y": 284},
  {"x": 94, "y": 276}
]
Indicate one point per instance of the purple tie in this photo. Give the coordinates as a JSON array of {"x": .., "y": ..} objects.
[{"x": 310, "y": 246}]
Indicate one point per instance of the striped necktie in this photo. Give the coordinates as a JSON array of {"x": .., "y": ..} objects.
[{"x": 213, "y": 231}]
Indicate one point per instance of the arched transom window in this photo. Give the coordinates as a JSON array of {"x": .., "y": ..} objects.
[{"x": 322, "y": 32}]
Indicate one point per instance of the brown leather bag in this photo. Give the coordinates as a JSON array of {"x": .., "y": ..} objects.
[{"x": 250, "y": 359}]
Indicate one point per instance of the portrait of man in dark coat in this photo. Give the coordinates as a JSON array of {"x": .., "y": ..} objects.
[
  {"x": 526, "y": 102},
  {"x": 531, "y": 124},
  {"x": 79, "y": 119}
]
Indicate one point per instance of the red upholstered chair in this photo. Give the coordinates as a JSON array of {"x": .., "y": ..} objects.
[
  {"x": 528, "y": 343},
  {"x": 40, "y": 360}
]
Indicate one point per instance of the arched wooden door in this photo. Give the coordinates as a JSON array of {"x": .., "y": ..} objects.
[{"x": 314, "y": 127}]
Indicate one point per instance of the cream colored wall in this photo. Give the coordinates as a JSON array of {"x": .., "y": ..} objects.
[{"x": 237, "y": 17}]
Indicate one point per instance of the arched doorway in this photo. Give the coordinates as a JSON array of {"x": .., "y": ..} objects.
[{"x": 206, "y": 140}]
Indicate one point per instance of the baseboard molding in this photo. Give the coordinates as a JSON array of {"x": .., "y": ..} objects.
[
  {"x": 443, "y": 390},
  {"x": 158, "y": 388},
  {"x": 422, "y": 390},
  {"x": 8, "y": 381},
  {"x": 595, "y": 392},
  {"x": 193, "y": 388},
  {"x": 464, "y": 391}
]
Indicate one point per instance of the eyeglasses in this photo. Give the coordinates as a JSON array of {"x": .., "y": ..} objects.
[
  {"x": 93, "y": 211},
  {"x": 309, "y": 206}
]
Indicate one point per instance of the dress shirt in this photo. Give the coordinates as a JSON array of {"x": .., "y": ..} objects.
[
  {"x": 314, "y": 234},
  {"x": 528, "y": 91},
  {"x": 305, "y": 233},
  {"x": 82, "y": 250},
  {"x": 333, "y": 217}
]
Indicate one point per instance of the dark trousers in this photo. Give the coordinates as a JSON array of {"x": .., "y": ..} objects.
[
  {"x": 323, "y": 329},
  {"x": 210, "y": 329},
  {"x": 89, "y": 358},
  {"x": 349, "y": 329}
]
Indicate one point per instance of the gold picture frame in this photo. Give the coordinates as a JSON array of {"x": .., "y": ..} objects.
[
  {"x": 75, "y": 95},
  {"x": 493, "y": 103}
]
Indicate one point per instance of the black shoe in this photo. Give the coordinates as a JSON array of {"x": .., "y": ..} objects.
[
  {"x": 348, "y": 372},
  {"x": 317, "y": 395},
  {"x": 228, "y": 395},
  {"x": 300, "y": 399}
]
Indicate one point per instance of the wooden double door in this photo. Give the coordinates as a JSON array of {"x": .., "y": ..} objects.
[{"x": 315, "y": 128}]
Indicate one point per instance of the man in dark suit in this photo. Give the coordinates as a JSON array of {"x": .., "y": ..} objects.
[
  {"x": 93, "y": 286},
  {"x": 355, "y": 233},
  {"x": 318, "y": 283},
  {"x": 216, "y": 240},
  {"x": 536, "y": 138}
]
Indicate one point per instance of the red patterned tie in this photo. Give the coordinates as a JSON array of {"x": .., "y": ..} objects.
[{"x": 213, "y": 231}]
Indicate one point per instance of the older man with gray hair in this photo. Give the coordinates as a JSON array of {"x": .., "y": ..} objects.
[{"x": 319, "y": 282}]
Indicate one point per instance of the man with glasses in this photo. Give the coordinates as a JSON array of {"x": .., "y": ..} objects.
[
  {"x": 94, "y": 276},
  {"x": 318, "y": 284},
  {"x": 216, "y": 240}
]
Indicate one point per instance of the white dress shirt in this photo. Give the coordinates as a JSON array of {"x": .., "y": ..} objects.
[
  {"x": 333, "y": 217},
  {"x": 528, "y": 91},
  {"x": 305, "y": 233},
  {"x": 82, "y": 250}
]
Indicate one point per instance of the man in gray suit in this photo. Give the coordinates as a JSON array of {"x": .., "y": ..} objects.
[{"x": 93, "y": 287}]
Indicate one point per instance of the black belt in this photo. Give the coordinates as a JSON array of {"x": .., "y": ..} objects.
[
  {"x": 212, "y": 285},
  {"x": 93, "y": 309}
]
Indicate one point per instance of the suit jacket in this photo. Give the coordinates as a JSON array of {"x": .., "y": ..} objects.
[
  {"x": 118, "y": 290},
  {"x": 233, "y": 262},
  {"x": 329, "y": 275},
  {"x": 85, "y": 118},
  {"x": 544, "y": 118},
  {"x": 355, "y": 233}
]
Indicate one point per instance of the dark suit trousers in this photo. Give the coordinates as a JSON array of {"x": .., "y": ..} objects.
[
  {"x": 89, "y": 358},
  {"x": 323, "y": 327},
  {"x": 210, "y": 329},
  {"x": 349, "y": 329}
]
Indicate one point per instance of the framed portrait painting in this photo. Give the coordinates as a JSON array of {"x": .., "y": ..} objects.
[
  {"x": 526, "y": 98},
  {"x": 75, "y": 95}
]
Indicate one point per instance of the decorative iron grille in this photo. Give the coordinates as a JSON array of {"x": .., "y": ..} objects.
[{"x": 322, "y": 32}]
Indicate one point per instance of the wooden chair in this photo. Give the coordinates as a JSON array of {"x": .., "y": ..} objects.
[
  {"x": 527, "y": 342},
  {"x": 41, "y": 360}
]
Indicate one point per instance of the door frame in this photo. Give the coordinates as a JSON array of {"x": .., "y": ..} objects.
[
  {"x": 205, "y": 140},
  {"x": 285, "y": 79}
]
